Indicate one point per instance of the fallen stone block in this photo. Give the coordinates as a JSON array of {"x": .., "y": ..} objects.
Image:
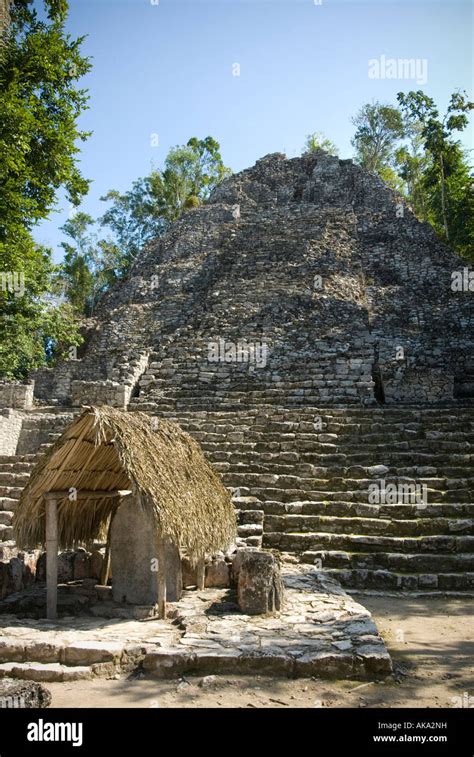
[{"x": 23, "y": 694}]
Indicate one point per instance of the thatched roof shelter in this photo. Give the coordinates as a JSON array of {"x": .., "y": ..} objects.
[{"x": 106, "y": 449}]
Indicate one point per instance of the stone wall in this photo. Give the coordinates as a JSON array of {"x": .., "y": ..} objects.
[
  {"x": 55, "y": 383},
  {"x": 16, "y": 395},
  {"x": 110, "y": 392},
  {"x": 110, "y": 379},
  {"x": 10, "y": 427},
  {"x": 414, "y": 386},
  {"x": 99, "y": 393}
]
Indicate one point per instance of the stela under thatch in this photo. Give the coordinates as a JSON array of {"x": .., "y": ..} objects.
[{"x": 106, "y": 449}]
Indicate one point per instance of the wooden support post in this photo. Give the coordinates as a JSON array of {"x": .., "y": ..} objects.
[
  {"x": 104, "y": 575},
  {"x": 51, "y": 558},
  {"x": 161, "y": 578},
  {"x": 200, "y": 573},
  {"x": 174, "y": 575}
]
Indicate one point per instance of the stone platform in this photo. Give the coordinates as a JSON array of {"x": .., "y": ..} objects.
[{"x": 321, "y": 631}]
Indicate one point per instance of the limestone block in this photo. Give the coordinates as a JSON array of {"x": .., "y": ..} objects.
[
  {"x": 96, "y": 561},
  {"x": 217, "y": 574},
  {"x": 66, "y": 567},
  {"x": 133, "y": 550},
  {"x": 259, "y": 587}
]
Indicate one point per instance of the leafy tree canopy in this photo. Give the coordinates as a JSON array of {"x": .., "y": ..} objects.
[{"x": 40, "y": 103}]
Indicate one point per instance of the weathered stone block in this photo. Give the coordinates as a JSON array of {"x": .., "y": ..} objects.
[
  {"x": 80, "y": 565},
  {"x": 259, "y": 587},
  {"x": 96, "y": 562},
  {"x": 15, "y": 694},
  {"x": 217, "y": 574}
]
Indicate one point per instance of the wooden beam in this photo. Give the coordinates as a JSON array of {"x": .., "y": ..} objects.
[
  {"x": 104, "y": 575},
  {"x": 174, "y": 575},
  {"x": 161, "y": 577},
  {"x": 51, "y": 559},
  {"x": 200, "y": 573}
]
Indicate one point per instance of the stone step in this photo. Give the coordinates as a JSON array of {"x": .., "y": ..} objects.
[
  {"x": 44, "y": 672},
  {"x": 17, "y": 467},
  {"x": 339, "y": 508},
  {"x": 11, "y": 492},
  {"x": 395, "y": 562},
  {"x": 319, "y": 421},
  {"x": 253, "y": 461},
  {"x": 385, "y": 580},
  {"x": 346, "y": 417},
  {"x": 14, "y": 649},
  {"x": 247, "y": 516},
  {"x": 374, "y": 431},
  {"x": 46, "y": 421},
  {"x": 301, "y": 445},
  {"x": 233, "y": 476},
  {"x": 8, "y": 504},
  {"x": 250, "y": 529},
  {"x": 360, "y": 525},
  {"x": 6, "y": 517},
  {"x": 10, "y": 459},
  {"x": 327, "y": 441},
  {"x": 303, "y": 542},
  {"x": 264, "y": 493},
  {"x": 10, "y": 478}
]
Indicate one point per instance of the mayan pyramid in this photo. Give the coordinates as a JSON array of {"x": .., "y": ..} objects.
[
  {"x": 304, "y": 326},
  {"x": 313, "y": 259}
]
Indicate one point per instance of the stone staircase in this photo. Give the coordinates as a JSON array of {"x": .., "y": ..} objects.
[
  {"x": 56, "y": 660},
  {"x": 40, "y": 429},
  {"x": 300, "y": 478}
]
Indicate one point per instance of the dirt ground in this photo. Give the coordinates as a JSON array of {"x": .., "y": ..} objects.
[{"x": 431, "y": 641}]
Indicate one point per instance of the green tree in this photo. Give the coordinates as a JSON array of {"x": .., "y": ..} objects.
[
  {"x": 412, "y": 163},
  {"x": 39, "y": 106},
  {"x": 379, "y": 127},
  {"x": 135, "y": 218},
  {"x": 146, "y": 211},
  {"x": 448, "y": 177},
  {"x": 317, "y": 141},
  {"x": 79, "y": 272}
]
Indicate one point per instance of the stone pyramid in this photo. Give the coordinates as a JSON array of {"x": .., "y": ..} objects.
[{"x": 307, "y": 279}]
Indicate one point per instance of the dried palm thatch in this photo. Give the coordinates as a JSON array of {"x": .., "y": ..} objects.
[{"x": 106, "y": 449}]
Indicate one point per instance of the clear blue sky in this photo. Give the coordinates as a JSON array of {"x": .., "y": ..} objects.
[{"x": 166, "y": 69}]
